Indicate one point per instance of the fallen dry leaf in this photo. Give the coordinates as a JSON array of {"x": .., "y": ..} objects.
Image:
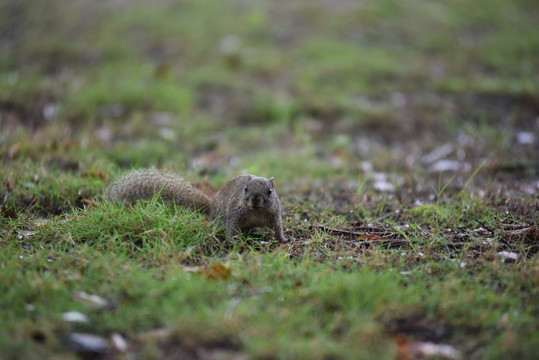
[
  {"x": 424, "y": 350},
  {"x": 88, "y": 343},
  {"x": 118, "y": 342},
  {"x": 94, "y": 300},
  {"x": 94, "y": 175},
  {"x": 530, "y": 232},
  {"x": 217, "y": 272},
  {"x": 8, "y": 213},
  {"x": 403, "y": 347},
  {"x": 411, "y": 350},
  {"x": 371, "y": 237},
  {"x": 74, "y": 317},
  {"x": 214, "y": 271},
  {"x": 507, "y": 256}
]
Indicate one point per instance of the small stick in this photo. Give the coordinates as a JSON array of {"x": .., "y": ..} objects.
[
  {"x": 486, "y": 227},
  {"x": 382, "y": 241},
  {"x": 365, "y": 242},
  {"x": 349, "y": 232}
]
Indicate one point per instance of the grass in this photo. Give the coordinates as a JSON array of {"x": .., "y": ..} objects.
[
  {"x": 133, "y": 258},
  {"x": 277, "y": 302},
  {"x": 355, "y": 109}
]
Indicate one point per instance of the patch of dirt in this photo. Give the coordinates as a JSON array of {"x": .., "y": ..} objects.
[
  {"x": 225, "y": 101},
  {"x": 30, "y": 114},
  {"x": 175, "y": 346},
  {"x": 519, "y": 111},
  {"x": 417, "y": 327}
]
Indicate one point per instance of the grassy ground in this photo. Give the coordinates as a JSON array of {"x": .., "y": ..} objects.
[{"x": 402, "y": 135}]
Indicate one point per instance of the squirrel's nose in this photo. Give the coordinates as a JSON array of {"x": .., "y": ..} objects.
[{"x": 256, "y": 200}]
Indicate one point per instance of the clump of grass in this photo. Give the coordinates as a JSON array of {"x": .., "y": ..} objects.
[
  {"x": 149, "y": 229},
  {"x": 36, "y": 188}
]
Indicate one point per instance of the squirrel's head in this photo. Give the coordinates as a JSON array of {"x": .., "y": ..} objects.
[{"x": 259, "y": 192}]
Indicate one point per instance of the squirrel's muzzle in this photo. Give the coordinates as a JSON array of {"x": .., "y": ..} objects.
[{"x": 256, "y": 201}]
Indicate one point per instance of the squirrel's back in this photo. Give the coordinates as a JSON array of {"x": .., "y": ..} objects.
[{"x": 146, "y": 183}]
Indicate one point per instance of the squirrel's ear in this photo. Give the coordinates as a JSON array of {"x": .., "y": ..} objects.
[{"x": 272, "y": 182}]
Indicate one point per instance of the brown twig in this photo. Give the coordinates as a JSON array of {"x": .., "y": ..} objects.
[
  {"x": 350, "y": 232},
  {"x": 379, "y": 234},
  {"x": 382, "y": 241},
  {"x": 486, "y": 227},
  {"x": 530, "y": 232}
]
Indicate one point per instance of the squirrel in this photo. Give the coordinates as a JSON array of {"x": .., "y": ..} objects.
[{"x": 243, "y": 203}]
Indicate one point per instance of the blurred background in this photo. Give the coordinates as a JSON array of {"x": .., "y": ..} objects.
[{"x": 402, "y": 96}]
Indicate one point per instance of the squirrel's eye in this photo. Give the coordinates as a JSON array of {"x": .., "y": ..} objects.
[
  {"x": 269, "y": 191},
  {"x": 246, "y": 188}
]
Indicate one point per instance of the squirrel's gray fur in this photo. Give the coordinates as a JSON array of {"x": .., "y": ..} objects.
[
  {"x": 243, "y": 203},
  {"x": 144, "y": 184}
]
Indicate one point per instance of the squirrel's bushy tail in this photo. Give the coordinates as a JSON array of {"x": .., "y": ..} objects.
[{"x": 144, "y": 184}]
